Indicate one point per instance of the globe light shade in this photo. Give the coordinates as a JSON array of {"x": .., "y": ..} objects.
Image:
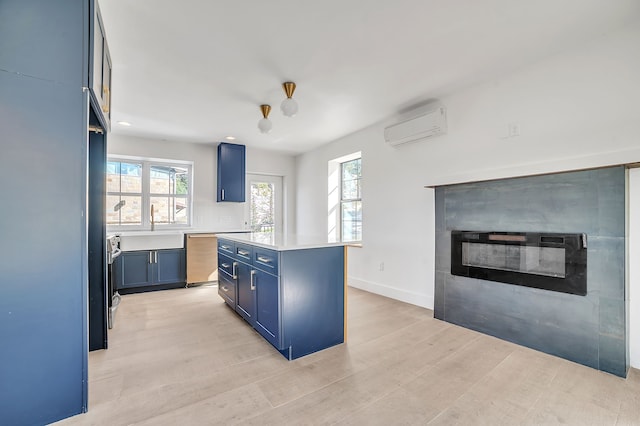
[
  {"x": 265, "y": 125},
  {"x": 289, "y": 107}
]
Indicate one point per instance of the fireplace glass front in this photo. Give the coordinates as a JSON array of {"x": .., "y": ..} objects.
[{"x": 554, "y": 262}]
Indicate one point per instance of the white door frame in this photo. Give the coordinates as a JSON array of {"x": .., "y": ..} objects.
[
  {"x": 633, "y": 266},
  {"x": 277, "y": 182}
]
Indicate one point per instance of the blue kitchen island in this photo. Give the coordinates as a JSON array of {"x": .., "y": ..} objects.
[{"x": 291, "y": 289}]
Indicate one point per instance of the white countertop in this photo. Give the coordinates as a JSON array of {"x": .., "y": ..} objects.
[
  {"x": 160, "y": 240},
  {"x": 282, "y": 242},
  {"x": 173, "y": 232}
]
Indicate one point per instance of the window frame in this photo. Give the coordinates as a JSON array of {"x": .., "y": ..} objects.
[
  {"x": 147, "y": 163},
  {"x": 344, "y": 200}
]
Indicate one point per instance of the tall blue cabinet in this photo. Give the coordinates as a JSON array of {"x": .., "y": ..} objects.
[{"x": 45, "y": 107}]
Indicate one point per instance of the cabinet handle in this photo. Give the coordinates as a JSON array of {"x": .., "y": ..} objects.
[
  {"x": 105, "y": 98},
  {"x": 225, "y": 288},
  {"x": 264, "y": 259},
  {"x": 225, "y": 265},
  {"x": 223, "y": 194},
  {"x": 243, "y": 252},
  {"x": 155, "y": 257},
  {"x": 253, "y": 283},
  {"x": 234, "y": 271},
  {"x": 150, "y": 257},
  {"x": 225, "y": 247}
]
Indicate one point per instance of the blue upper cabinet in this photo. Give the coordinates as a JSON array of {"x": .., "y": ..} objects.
[
  {"x": 99, "y": 68},
  {"x": 231, "y": 172}
]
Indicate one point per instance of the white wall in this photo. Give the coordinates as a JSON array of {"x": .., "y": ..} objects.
[
  {"x": 575, "y": 110},
  {"x": 207, "y": 213}
]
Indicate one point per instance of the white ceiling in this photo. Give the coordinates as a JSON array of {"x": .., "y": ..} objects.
[{"x": 197, "y": 70}]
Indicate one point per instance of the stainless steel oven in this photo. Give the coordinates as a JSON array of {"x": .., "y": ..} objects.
[{"x": 113, "y": 297}]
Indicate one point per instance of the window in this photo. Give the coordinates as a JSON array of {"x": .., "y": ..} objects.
[
  {"x": 263, "y": 210},
  {"x": 262, "y": 206},
  {"x": 351, "y": 200},
  {"x": 136, "y": 188},
  {"x": 344, "y": 198}
]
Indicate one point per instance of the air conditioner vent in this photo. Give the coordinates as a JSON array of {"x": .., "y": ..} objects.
[{"x": 427, "y": 125}]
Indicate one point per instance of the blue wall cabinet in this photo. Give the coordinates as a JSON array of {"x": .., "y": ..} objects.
[
  {"x": 293, "y": 298},
  {"x": 231, "y": 172},
  {"x": 144, "y": 268},
  {"x": 99, "y": 68}
]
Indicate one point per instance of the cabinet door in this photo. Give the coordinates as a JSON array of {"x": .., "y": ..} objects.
[
  {"x": 246, "y": 296},
  {"x": 267, "y": 290},
  {"x": 100, "y": 68},
  {"x": 169, "y": 266},
  {"x": 97, "y": 54},
  {"x": 231, "y": 172},
  {"x": 106, "y": 82},
  {"x": 135, "y": 269}
]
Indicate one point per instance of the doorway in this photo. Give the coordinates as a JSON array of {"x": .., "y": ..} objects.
[{"x": 263, "y": 212}]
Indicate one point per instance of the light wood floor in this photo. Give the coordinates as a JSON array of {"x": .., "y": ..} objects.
[{"x": 181, "y": 357}]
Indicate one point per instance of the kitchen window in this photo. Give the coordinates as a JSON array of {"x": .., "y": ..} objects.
[
  {"x": 142, "y": 191},
  {"x": 351, "y": 200}
]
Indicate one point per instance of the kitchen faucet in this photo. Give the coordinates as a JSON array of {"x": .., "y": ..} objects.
[{"x": 153, "y": 221}]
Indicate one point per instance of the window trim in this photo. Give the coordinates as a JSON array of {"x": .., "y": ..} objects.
[
  {"x": 334, "y": 194},
  {"x": 147, "y": 162},
  {"x": 343, "y": 200}
]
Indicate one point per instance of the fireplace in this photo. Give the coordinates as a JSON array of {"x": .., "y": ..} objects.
[
  {"x": 549, "y": 261},
  {"x": 584, "y": 318}
]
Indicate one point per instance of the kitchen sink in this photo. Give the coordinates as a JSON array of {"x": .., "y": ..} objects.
[{"x": 151, "y": 240}]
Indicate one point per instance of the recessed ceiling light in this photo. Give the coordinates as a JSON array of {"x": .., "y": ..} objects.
[
  {"x": 124, "y": 123},
  {"x": 230, "y": 138}
]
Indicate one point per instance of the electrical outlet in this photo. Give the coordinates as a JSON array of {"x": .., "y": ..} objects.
[
  {"x": 381, "y": 266},
  {"x": 514, "y": 130}
]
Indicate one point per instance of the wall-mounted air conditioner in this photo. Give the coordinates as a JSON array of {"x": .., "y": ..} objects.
[{"x": 426, "y": 125}]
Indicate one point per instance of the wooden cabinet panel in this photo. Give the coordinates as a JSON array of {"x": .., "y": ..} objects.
[{"x": 202, "y": 265}]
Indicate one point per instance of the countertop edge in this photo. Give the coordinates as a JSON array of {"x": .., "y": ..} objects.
[{"x": 282, "y": 247}]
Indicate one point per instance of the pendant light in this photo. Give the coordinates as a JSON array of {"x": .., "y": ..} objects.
[
  {"x": 289, "y": 106},
  {"x": 265, "y": 124}
]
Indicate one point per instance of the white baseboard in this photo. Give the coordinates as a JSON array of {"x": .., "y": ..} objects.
[{"x": 422, "y": 300}]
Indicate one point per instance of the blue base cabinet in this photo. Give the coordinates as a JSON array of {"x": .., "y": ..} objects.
[
  {"x": 267, "y": 296},
  {"x": 144, "y": 268},
  {"x": 293, "y": 298}
]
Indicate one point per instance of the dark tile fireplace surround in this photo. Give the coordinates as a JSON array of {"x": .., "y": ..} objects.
[{"x": 583, "y": 211}]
